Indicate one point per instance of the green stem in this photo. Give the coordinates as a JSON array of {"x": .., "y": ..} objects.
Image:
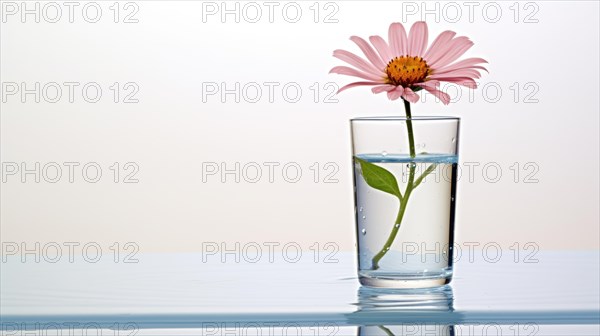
[
  {"x": 392, "y": 237},
  {"x": 387, "y": 331},
  {"x": 409, "y": 188},
  {"x": 409, "y": 128},
  {"x": 424, "y": 174}
]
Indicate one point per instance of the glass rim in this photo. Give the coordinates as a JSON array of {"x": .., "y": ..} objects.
[{"x": 404, "y": 118}]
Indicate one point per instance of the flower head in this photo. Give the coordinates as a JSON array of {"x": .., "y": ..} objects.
[{"x": 405, "y": 65}]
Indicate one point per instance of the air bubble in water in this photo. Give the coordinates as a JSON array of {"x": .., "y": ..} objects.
[
  {"x": 360, "y": 209},
  {"x": 384, "y": 153},
  {"x": 364, "y": 231}
]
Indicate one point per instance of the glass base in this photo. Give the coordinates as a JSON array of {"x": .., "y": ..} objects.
[{"x": 404, "y": 281}]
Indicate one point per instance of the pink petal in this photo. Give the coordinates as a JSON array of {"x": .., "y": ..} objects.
[
  {"x": 417, "y": 39},
  {"x": 410, "y": 95},
  {"x": 382, "y": 48},
  {"x": 396, "y": 93},
  {"x": 464, "y": 81},
  {"x": 344, "y": 70},
  {"x": 383, "y": 88},
  {"x": 465, "y": 63},
  {"x": 430, "y": 83},
  {"x": 456, "y": 48},
  {"x": 358, "y": 62},
  {"x": 372, "y": 56},
  {"x": 443, "y": 96},
  {"x": 351, "y": 85},
  {"x": 438, "y": 46},
  {"x": 398, "y": 39},
  {"x": 446, "y": 70},
  {"x": 458, "y": 73}
]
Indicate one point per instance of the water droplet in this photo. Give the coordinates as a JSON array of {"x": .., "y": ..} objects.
[
  {"x": 364, "y": 231},
  {"x": 384, "y": 153},
  {"x": 360, "y": 209}
]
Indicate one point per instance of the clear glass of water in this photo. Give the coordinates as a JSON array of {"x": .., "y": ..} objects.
[{"x": 405, "y": 172}]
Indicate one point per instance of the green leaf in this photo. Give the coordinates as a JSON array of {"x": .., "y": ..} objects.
[{"x": 379, "y": 178}]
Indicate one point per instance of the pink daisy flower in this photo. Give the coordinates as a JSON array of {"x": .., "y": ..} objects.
[{"x": 406, "y": 65}]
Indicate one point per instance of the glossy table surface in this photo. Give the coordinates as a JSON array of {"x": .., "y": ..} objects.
[{"x": 555, "y": 290}]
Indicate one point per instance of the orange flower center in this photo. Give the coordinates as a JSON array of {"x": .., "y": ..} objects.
[{"x": 405, "y": 70}]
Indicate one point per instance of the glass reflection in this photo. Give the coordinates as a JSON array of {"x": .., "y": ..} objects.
[{"x": 405, "y": 312}]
